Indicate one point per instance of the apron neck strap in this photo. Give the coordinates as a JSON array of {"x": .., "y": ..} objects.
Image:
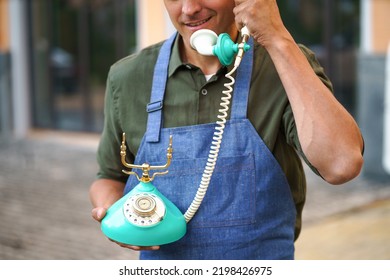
[
  {"x": 242, "y": 85},
  {"x": 160, "y": 76}
]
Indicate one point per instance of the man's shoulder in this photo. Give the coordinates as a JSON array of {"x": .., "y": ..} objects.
[{"x": 140, "y": 62}]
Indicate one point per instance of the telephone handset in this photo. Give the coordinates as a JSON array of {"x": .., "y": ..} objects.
[
  {"x": 144, "y": 216},
  {"x": 207, "y": 42}
]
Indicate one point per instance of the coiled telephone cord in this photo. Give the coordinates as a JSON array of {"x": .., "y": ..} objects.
[{"x": 214, "y": 149}]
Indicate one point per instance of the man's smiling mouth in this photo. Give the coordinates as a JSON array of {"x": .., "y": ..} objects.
[{"x": 198, "y": 23}]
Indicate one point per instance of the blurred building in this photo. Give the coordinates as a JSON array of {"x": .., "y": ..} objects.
[{"x": 55, "y": 55}]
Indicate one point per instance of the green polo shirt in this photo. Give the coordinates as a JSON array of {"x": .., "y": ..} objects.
[{"x": 190, "y": 100}]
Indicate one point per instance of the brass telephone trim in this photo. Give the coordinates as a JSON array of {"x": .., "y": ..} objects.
[{"x": 145, "y": 167}]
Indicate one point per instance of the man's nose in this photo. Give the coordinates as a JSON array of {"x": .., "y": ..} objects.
[{"x": 191, "y": 7}]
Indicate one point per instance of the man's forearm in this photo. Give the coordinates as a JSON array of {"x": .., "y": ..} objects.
[{"x": 329, "y": 136}]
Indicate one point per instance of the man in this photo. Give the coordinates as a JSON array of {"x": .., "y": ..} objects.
[{"x": 253, "y": 207}]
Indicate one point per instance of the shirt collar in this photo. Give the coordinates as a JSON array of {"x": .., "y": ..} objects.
[{"x": 175, "y": 61}]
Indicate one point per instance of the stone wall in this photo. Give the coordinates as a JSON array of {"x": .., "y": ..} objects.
[
  {"x": 371, "y": 96},
  {"x": 5, "y": 94}
]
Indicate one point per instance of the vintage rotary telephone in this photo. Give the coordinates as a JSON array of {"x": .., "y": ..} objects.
[{"x": 144, "y": 216}]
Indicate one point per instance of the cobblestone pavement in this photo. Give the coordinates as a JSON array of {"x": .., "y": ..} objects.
[{"x": 45, "y": 209}]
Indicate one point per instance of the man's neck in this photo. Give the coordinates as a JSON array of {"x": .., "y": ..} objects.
[{"x": 208, "y": 64}]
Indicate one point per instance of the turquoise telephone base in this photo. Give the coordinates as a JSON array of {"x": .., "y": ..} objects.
[{"x": 116, "y": 225}]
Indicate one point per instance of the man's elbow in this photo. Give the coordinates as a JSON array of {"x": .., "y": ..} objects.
[{"x": 344, "y": 170}]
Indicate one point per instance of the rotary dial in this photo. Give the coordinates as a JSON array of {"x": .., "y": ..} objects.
[{"x": 144, "y": 209}]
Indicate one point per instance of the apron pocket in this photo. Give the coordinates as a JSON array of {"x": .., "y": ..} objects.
[{"x": 230, "y": 198}]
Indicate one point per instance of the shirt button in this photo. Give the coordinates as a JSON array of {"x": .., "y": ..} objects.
[
  {"x": 188, "y": 66},
  {"x": 204, "y": 91}
]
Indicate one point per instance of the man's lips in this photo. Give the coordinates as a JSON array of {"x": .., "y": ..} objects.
[{"x": 197, "y": 23}]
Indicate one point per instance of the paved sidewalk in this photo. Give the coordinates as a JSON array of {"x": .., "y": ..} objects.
[
  {"x": 45, "y": 209},
  {"x": 351, "y": 221}
]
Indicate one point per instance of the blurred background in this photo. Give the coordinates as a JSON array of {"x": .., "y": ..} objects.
[{"x": 54, "y": 58}]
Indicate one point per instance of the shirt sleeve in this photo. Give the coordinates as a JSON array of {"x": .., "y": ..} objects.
[
  {"x": 288, "y": 118},
  {"x": 108, "y": 154}
]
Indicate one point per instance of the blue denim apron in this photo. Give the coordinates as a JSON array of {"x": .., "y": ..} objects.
[{"x": 248, "y": 211}]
